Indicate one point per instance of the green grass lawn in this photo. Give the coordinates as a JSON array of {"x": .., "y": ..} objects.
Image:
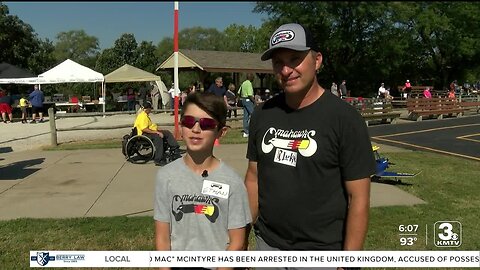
[
  {"x": 451, "y": 188},
  {"x": 449, "y": 185}
]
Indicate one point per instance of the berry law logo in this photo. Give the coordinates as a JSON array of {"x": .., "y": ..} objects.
[
  {"x": 42, "y": 258},
  {"x": 447, "y": 234}
]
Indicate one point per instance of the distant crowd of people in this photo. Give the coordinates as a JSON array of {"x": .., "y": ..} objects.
[
  {"x": 384, "y": 92},
  {"x": 34, "y": 100},
  {"x": 244, "y": 96},
  {"x": 340, "y": 91}
]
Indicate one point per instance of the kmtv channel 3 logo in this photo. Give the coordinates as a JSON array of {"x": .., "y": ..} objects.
[
  {"x": 42, "y": 258},
  {"x": 447, "y": 234}
]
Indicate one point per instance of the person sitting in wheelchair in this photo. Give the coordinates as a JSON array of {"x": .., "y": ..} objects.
[{"x": 145, "y": 127}]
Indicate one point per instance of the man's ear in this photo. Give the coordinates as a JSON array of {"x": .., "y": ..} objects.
[{"x": 318, "y": 60}]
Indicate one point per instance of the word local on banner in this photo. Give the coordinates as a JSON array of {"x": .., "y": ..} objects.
[{"x": 210, "y": 259}]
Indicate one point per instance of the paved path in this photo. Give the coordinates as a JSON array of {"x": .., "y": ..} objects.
[
  {"x": 19, "y": 137},
  {"x": 85, "y": 183}
]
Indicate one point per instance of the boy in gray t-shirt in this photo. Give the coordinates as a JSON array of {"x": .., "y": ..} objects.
[{"x": 200, "y": 202}]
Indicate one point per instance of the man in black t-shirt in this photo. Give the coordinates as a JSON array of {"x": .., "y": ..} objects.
[{"x": 310, "y": 157}]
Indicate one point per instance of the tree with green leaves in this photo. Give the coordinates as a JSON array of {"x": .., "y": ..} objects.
[
  {"x": 196, "y": 38},
  {"x": 77, "y": 46},
  {"x": 20, "y": 46},
  {"x": 43, "y": 57},
  {"x": 239, "y": 38},
  {"x": 123, "y": 52},
  {"x": 371, "y": 42},
  {"x": 125, "y": 48},
  {"x": 444, "y": 37},
  {"x": 146, "y": 58}
]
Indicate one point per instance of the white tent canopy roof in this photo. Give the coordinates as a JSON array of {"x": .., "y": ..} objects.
[
  {"x": 66, "y": 72},
  {"x": 69, "y": 71},
  {"x": 31, "y": 80}
]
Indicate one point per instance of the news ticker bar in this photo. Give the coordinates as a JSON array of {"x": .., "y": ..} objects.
[{"x": 427, "y": 259}]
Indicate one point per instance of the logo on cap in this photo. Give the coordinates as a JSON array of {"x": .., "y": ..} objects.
[{"x": 282, "y": 36}]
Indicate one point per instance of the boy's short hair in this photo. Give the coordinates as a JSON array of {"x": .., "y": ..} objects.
[
  {"x": 147, "y": 105},
  {"x": 212, "y": 104}
]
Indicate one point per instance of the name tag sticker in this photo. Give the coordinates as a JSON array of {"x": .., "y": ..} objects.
[
  {"x": 215, "y": 189},
  {"x": 286, "y": 157}
]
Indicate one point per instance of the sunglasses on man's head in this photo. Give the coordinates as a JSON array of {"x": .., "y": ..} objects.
[{"x": 189, "y": 121}]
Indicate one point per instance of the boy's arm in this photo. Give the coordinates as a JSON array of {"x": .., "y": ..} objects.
[
  {"x": 237, "y": 238},
  {"x": 162, "y": 235}
]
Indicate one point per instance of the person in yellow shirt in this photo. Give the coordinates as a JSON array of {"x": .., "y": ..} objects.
[
  {"x": 145, "y": 127},
  {"x": 23, "y": 106}
]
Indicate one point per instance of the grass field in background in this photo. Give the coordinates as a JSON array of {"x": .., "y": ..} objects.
[{"x": 450, "y": 186}]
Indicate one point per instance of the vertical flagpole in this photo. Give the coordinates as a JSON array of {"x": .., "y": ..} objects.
[
  {"x": 103, "y": 95},
  {"x": 175, "y": 70}
]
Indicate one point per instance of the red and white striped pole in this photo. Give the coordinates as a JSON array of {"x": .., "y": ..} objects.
[{"x": 175, "y": 68}]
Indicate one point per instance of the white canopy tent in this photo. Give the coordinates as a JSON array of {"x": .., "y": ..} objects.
[
  {"x": 66, "y": 72},
  {"x": 70, "y": 71},
  {"x": 29, "y": 80}
]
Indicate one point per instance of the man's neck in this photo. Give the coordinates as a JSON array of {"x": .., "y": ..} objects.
[{"x": 303, "y": 99}]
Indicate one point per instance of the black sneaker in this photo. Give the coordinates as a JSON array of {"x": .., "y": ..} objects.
[
  {"x": 175, "y": 154},
  {"x": 161, "y": 163}
]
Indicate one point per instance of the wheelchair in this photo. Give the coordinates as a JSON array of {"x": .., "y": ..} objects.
[{"x": 139, "y": 149}]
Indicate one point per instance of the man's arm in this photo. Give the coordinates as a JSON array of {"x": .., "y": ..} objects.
[
  {"x": 251, "y": 183},
  {"x": 148, "y": 130},
  {"x": 358, "y": 208},
  {"x": 251, "y": 93},
  {"x": 226, "y": 100}
]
